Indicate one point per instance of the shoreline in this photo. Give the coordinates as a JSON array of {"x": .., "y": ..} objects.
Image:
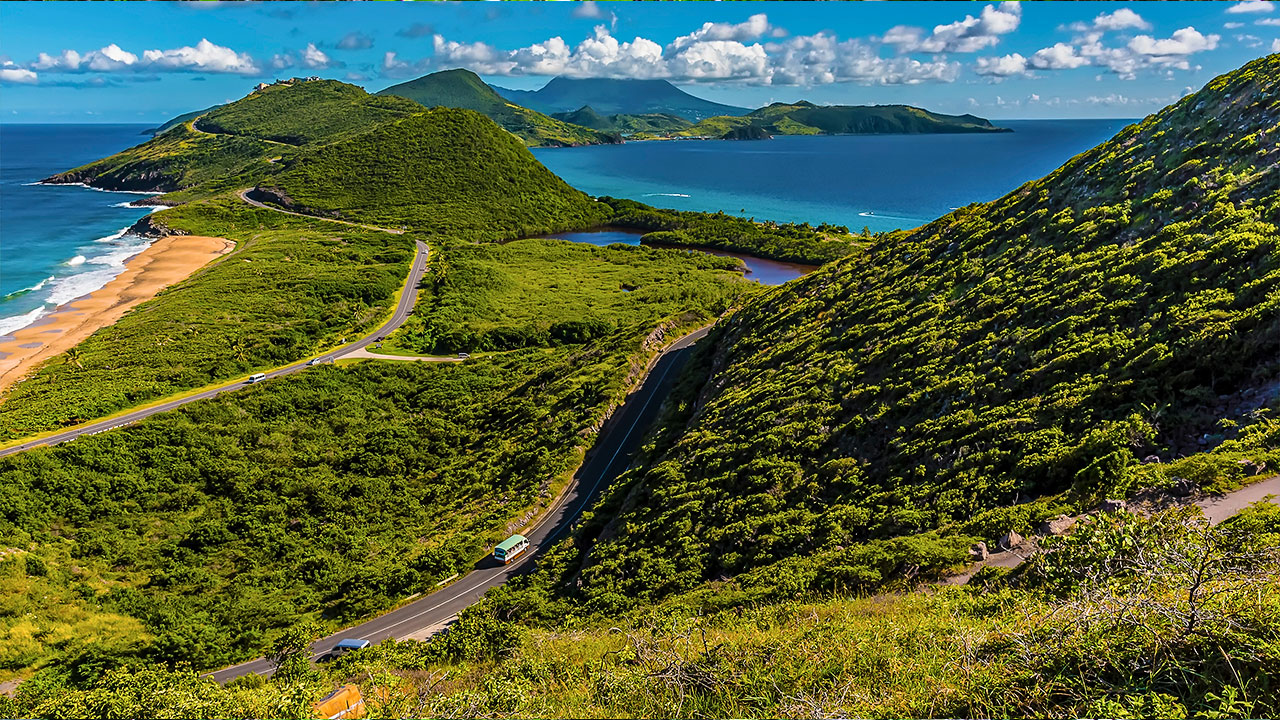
[{"x": 165, "y": 262}]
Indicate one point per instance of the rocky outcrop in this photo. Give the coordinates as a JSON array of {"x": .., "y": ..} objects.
[
  {"x": 978, "y": 552},
  {"x": 151, "y": 180},
  {"x": 153, "y": 227},
  {"x": 1010, "y": 540},
  {"x": 1060, "y": 525},
  {"x": 747, "y": 132},
  {"x": 1110, "y": 506}
]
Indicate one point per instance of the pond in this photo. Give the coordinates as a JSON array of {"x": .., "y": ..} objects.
[{"x": 766, "y": 272}]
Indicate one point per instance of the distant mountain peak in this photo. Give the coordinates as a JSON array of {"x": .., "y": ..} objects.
[{"x": 612, "y": 96}]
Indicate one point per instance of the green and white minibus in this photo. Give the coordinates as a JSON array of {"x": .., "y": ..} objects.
[{"x": 510, "y": 549}]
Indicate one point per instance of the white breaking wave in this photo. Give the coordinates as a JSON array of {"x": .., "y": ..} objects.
[
  {"x": 113, "y": 236},
  {"x": 127, "y": 192},
  {"x": 33, "y": 288},
  {"x": 99, "y": 270},
  {"x": 9, "y": 325},
  {"x": 665, "y": 195}
]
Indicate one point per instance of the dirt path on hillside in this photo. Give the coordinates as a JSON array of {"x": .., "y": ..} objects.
[{"x": 1216, "y": 508}]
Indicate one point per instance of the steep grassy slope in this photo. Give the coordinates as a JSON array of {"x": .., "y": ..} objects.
[
  {"x": 648, "y": 123},
  {"x": 176, "y": 159},
  {"x": 232, "y": 145},
  {"x": 805, "y": 118},
  {"x": 179, "y": 120},
  {"x": 464, "y": 89},
  {"x": 1125, "y": 306},
  {"x": 445, "y": 170},
  {"x": 305, "y": 112}
]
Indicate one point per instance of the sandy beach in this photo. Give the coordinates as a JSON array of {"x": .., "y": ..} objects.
[{"x": 167, "y": 261}]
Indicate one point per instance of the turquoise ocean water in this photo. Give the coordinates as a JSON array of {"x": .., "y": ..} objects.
[
  {"x": 883, "y": 182},
  {"x": 58, "y": 243}
]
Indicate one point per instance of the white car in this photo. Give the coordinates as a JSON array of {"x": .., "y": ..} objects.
[
  {"x": 463, "y": 356},
  {"x": 314, "y": 361}
]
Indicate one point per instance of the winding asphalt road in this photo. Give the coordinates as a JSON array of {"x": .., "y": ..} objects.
[
  {"x": 402, "y": 311},
  {"x": 616, "y": 444}
]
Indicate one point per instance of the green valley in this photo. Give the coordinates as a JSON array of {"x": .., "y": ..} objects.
[{"x": 551, "y": 292}]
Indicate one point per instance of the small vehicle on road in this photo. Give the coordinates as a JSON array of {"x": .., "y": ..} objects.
[
  {"x": 314, "y": 361},
  {"x": 257, "y": 378},
  {"x": 510, "y": 549},
  {"x": 343, "y": 647},
  {"x": 463, "y": 356},
  {"x": 347, "y": 645}
]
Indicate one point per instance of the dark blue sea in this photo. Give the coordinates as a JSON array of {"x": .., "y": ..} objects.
[
  {"x": 883, "y": 182},
  {"x": 58, "y": 243}
]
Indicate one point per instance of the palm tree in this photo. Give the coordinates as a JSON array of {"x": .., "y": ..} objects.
[{"x": 73, "y": 357}]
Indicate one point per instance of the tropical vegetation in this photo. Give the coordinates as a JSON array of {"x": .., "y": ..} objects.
[
  {"x": 1112, "y": 326},
  {"x": 791, "y": 242},
  {"x": 444, "y": 171},
  {"x": 554, "y": 292},
  {"x": 629, "y": 125},
  {"x": 1081, "y": 631}
]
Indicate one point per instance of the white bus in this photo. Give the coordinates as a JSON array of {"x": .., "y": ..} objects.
[{"x": 257, "y": 377}]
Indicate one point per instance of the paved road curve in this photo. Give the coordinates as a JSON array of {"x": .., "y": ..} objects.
[
  {"x": 402, "y": 311},
  {"x": 612, "y": 453}
]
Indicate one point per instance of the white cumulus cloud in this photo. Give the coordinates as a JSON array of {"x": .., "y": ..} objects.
[
  {"x": 1252, "y": 6},
  {"x": 1060, "y": 56},
  {"x": 1014, "y": 64},
  {"x": 1184, "y": 41},
  {"x": 968, "y": 35},
  {"x": 17, "y": 75},
  {"x": 204, "y": 56},
  {"x": 1122, "y": 19},
  {"x": 751, "y": 52},
  {"x": 314, "y": 58}
]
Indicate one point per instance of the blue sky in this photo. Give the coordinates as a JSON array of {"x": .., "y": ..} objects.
[{"x": 144, "y": 62}]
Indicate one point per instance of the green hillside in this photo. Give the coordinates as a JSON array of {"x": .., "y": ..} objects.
[
  {"x": 302, "y": 112},
  {"x": 445, "y": 170},
  {"x": 179, "y": 120},
  {"x": 174, "y": 160},
  {"x": 878, "y": 416},
  {"x": 649, "y": 123},
  {"x": 233, "y": 144},
  {"x": 464, "y": 89},
  {"x": 805, "y": 118}
]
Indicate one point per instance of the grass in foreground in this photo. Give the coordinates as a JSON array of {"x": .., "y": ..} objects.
[{"x": 1187, "y": 624}]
